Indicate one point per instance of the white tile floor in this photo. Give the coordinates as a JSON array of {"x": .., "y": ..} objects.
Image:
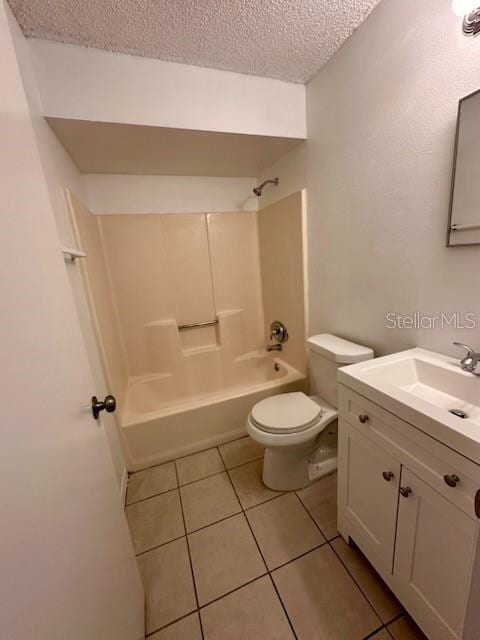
[{"x": 223, "y": 557}]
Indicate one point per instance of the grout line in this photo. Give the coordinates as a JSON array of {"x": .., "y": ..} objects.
[
  {"x": 260, "y": 504},
  {"x": 154, "y": 466},
  {"x": 356, "y": 584},
  {"x": 189, "y": 455},
  {"x": 359, "y": 586},
  {"x": 228, "y": 593},
  {"x": 210, "y": 475},
  {"x": 151, "y": 466},
  {"x": 232, "y": 515},
  {"x": 280, "y": 494},
  {"x": 269, "y": 572},
  {"x": 400, "y": 615},
  {"x": 170, "y": 624},
  {"x": 264, "y": 562},
  {"x": 212, "y": 446},
  {"x": 227, "y": 472},
  {"x": 155, "y": 495},
  {"x": 243, "y": 464},
  {"x": 397, "y": 617},
  {"x": 177, "y": 488},
  {"x": 300, "y": 555},
  {"x": 205, "y": 526},
  {"x": 283, "y": 606},
  {"x": 234, "y": 439},
  {"x": 248, "y": 523},
  {"x": 311, "y": 517},
  {"x": 158, "y": 546},
  {"x": 189, "y": 555},
  {"x": 329, "y": 542},
  {"x": 186, "y": 484},
  {"x": 188, "y": 533},
  {"x": 374, "y": 633}
]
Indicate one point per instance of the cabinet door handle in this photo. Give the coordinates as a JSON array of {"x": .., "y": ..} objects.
[
  {"x": 387, "y": 475},
  {"x": 405, "y": 491},
  {"x": 363, "y": 418},
  {"x": 452, "y": 480}
]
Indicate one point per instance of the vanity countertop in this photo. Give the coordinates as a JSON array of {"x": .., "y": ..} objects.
[{"x": 421, "y": 387}]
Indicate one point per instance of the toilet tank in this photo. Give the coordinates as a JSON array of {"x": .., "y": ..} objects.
[{"x": 326, "y": 354}]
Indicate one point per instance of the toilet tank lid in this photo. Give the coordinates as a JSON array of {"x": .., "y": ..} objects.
[{"x": 338, "y": 349}]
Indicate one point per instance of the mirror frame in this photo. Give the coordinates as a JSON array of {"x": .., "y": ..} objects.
[{"x": 454, "y": 169}]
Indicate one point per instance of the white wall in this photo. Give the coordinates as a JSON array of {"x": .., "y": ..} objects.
[
  {"x": 168, "y": 194},
  {"x": 60, "y": 172},
  {"x": 291, "y": 171},
  {"x": 381, "y": 125},
  {"x": 89, "y": 84}
]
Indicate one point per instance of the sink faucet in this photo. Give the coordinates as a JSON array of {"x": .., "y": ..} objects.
[
  {"x": 471, "y": 362},
  {"x": 274, "y": 347}
]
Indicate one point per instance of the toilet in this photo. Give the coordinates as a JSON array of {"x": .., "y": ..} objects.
[{"x": 299, "y": 432}]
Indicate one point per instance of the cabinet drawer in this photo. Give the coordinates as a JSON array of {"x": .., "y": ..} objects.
[{"x": 432, "y": 461}]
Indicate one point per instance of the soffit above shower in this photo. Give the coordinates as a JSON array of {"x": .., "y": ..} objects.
[
  {"x": 283, "y": 39},
  {"x": 117, "y": 148}
]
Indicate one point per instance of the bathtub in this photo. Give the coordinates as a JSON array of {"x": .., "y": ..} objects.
[{"x": 162, "y": 420}]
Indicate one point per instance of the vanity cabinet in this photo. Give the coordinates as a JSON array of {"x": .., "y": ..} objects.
[
  {"x": 433, "y": 556},
  {"x": 370, "y": 481},
  {"x": 408, "y": 502}
]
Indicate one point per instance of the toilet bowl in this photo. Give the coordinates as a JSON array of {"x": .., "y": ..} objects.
[
  {"x": 299, "y": 432},
  {"x": 289, "y": 426}
]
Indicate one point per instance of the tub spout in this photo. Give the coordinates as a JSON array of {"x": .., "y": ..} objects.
[{"x": 274, "y": 347}]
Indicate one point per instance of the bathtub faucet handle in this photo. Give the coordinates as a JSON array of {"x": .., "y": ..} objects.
[
  {"x": 274, "y": 347},
  {"x": 278, "y": 332}
]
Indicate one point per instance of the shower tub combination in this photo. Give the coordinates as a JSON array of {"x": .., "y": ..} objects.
[
  {"x": 159, "y": 421},
  {"x": 179, "y": 313}
]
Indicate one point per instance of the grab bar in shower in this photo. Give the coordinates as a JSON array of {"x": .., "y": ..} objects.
[{"x": 181, "y": 327}]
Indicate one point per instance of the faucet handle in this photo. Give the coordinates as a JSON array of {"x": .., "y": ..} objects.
[{"x": 469, "y": 350}]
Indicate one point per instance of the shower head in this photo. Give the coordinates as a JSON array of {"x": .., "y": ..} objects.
[{"x": 258, "y": 190}]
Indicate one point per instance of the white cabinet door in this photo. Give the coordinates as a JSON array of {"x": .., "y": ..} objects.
[
  {"x": 67, "y": 567},
  {"x": 368, "y": 495},
  {"x": 433, "y": 558}
]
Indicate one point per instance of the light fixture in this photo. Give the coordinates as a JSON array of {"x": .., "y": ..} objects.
[{"x": 470, "y": 10}]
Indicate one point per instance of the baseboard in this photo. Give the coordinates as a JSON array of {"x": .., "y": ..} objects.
[{"x": 123, "y": 487}]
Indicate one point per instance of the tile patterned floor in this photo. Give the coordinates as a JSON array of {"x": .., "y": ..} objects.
[{"x": 221, "y": 556}]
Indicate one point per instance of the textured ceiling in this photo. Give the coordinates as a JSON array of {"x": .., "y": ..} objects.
[{"x": 285, "y": 39}]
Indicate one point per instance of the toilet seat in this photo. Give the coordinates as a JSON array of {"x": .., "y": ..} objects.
[{"x": 287, "y": 413}]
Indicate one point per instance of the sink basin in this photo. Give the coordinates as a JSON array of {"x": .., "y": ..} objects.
[
  {"x": 423, "y": 387},
  {"x": 438, "y": 382}
]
